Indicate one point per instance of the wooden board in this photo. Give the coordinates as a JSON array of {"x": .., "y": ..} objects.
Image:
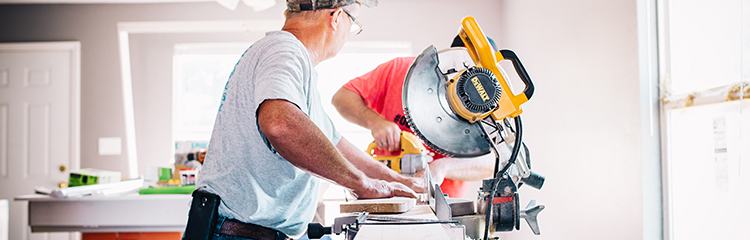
[{"x": 383, "y": 205}]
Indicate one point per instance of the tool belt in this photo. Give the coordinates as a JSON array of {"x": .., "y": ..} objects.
[{"x": 236, "y": 228}]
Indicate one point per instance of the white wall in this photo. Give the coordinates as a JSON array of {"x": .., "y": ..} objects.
[{"x": 582, "y": 125}]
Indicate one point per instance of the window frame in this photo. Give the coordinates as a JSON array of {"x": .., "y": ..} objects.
[{"x": 668, "y": 102}]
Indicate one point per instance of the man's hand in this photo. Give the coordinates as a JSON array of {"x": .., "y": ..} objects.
[
  {"x": 387, "y": 135},
  {"x": 381, "y": 189},
  {"x": 437, "y": 172},
  {"x": 463, "y": 169},
  {"x": 416, "y": 183},
  {"x": 374, "y": 169}
]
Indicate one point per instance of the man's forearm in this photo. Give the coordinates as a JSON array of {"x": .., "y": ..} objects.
[
  {"x": 351, "y": 106},
  {"x": 301, "y": 142},
  {"x": 470, "y": 169},
  {"x": 298, "y": 140}
]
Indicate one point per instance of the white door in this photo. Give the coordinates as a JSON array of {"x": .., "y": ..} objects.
[{"x": 39, "y": 123}]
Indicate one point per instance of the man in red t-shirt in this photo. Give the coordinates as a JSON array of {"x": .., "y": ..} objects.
[{"x": 373, "y": 101}]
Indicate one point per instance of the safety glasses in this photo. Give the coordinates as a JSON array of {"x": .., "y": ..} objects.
[{"x": 356, "y": 27}]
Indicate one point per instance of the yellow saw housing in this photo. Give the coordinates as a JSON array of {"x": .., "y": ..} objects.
[{"x": 481, "y": 90}]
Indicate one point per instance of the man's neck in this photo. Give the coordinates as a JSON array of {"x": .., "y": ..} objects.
[{"x": 312, "y": 37}]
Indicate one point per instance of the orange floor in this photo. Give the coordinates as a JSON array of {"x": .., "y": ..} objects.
[{"x": 132, "y": 236}]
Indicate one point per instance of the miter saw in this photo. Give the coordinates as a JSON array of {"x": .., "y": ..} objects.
[{"x": 459, "y": 102}]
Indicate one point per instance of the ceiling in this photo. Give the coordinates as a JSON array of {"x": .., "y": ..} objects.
[
  {"x": 94, "y": 1},
  {"x": 257, "y": 5}
]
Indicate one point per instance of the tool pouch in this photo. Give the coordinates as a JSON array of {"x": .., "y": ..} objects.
[{"x": 204, "y": 211}]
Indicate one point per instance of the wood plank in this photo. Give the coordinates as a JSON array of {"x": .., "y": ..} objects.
[{"x": 383, "y": 205}]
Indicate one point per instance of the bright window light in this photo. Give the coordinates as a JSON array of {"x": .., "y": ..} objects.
[
  {"x": 705, "y": 44},
  {"x": 706, "y": 56},
  {"x": 202, "y": 70},
  {"x": 709, "y": 148},
  {"x": 200, "y": 73}
]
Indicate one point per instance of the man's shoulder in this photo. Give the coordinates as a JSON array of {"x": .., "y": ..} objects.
[{"x": 281, "y": 40}]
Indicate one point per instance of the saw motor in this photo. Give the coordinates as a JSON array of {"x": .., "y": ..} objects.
[{"x": 474, "y": 93}]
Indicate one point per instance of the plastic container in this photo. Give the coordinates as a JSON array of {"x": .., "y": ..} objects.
[{"x": 188, "y": 176}]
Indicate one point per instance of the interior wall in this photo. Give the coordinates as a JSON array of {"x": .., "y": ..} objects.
[
  {"x": 95, "y": 26},
  {"x": 582, "y": 124}
]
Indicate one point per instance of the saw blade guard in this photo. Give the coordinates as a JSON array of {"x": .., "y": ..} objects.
[{"x": 427, "y": 109}]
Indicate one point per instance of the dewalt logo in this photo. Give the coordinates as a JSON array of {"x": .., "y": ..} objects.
[{"x": 480, "y": 89}]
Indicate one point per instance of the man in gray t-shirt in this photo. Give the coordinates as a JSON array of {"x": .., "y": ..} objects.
[{"x": 272, "y": 141}]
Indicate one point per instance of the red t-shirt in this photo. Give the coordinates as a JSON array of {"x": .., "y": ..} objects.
[{"x": 381, "y": 90}]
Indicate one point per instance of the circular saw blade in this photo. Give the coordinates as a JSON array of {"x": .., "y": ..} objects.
[{"x": 426, "y": 106}]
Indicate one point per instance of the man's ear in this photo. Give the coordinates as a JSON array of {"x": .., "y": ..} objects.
[{"x": 336, "y": 18}]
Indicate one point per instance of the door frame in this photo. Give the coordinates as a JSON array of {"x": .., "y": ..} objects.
[{"x": 74, "y": 48}]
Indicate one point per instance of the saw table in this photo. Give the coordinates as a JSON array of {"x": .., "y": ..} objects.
[{"x": 405, "y": 231}]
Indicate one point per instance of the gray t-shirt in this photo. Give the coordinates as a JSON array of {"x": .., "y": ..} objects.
[{"x": 256, "y": 184}]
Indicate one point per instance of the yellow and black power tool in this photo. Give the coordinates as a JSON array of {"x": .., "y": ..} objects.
[
  {"x": 460, "y": 103},
  {"x": 412, "y": 158}
]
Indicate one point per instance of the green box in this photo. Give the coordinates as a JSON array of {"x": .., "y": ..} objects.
[
  {"x": 165, "y": 174},
  {"x": 89, "y": 176},
  {"x": 80, "y": 180}
]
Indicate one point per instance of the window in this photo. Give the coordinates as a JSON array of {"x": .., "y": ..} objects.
[
  {"x": 202, "y": 70},
  {"x": 705, "y": 71},
  {"x": 200, "y": 73}
]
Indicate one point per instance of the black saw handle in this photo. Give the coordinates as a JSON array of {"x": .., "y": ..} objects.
[{"x": 520, "y": 70}]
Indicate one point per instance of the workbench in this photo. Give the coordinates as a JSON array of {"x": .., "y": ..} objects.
[
  {"x": 168, "y": 213},
  {"x": 126, "y": 213}
]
